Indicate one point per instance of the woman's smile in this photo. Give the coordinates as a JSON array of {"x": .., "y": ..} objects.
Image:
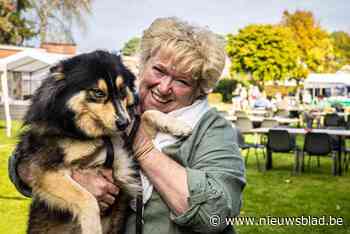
[{"x": 159, "y": 98}]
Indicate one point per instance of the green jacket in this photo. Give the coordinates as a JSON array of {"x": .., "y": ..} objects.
[{"x": 215, "y": 172}]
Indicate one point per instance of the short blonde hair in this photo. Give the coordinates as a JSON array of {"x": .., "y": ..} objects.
[{"x": 196, "y": 49}]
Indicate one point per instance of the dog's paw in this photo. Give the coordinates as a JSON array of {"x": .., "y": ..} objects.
[
  {"x": 158, "y": 121},
  {"x": 178, "y": 128}
]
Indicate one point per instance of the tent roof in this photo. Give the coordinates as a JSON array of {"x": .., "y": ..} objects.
[
  {"x": 30, "y": 61},
  {"x": 327, "y": 80}
]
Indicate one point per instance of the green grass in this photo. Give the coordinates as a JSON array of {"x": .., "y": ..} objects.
[
  {"x": 13, "y": 206},
  {"x": 273, "y": 193},
  {"x": 278, "y": 193}
]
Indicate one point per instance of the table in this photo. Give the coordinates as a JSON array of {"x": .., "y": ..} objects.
[
  {"x": 336, "y": 132},
  {"x": 280, "y": 120},
  {"x": 260, "y": 112}
]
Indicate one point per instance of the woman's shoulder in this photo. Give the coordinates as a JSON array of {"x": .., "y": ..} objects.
[
  {"x": 213, "y": 118},
  {"x": 213, "y": 121}
]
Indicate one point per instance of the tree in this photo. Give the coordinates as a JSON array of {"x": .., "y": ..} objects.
[
  {"x": 266, "y": 52},
  {"x": 131, "y": 47},
  {"x": 14, "y": 28},
  {"x": 315, "y": 44},
  {"x": 226, "y": 87},
  {"x": 56, "y": 17},
  {"x": 341, "y": 41}
]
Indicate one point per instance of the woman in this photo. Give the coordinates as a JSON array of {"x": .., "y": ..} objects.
[{"x": 188, "y": 183}]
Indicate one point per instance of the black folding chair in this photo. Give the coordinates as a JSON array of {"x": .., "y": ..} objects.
[
  {"x": 319, "y": 144},
  {"x": 280, "y": 141},
  {"x": 333, "y": 120},
  {"x": 247, "y": 146}
]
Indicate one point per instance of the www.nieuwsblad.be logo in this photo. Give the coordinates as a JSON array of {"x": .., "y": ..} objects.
[{"x": 216, "y": 220}]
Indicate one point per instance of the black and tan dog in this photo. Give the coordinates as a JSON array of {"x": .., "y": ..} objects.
[{"x": 84, "y": 101}]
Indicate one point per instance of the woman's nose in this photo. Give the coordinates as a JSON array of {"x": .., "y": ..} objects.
[{"x": 164, "y": 86}]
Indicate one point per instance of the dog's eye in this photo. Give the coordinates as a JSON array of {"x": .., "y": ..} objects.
[{"x": 97, "y": 93}]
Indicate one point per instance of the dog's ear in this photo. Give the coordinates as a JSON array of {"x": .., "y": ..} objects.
[
  {"x": 57, "y": 72},
  {"x": 43, "y": 106}
]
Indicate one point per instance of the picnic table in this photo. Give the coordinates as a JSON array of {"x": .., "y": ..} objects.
[{"x": 259, "y": 119}]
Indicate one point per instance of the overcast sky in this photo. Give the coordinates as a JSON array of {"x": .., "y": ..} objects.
[{"x": 113, "y": 22}]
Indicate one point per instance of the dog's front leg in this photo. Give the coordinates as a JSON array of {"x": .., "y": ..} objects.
[
  {"x": 59, "y": 190},
  {"x": 155, "y": 121}
]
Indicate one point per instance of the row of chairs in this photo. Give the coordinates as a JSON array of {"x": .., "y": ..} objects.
[
  {"x": 315, "y": 144},
  {"x": 329, "y": 120}
]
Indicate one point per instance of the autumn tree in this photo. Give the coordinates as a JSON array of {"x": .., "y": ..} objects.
[
  {"x": 341, "y": 41},
  {"x": 56, "y": 17},
  {"x": 265, "y": 52},
  {"x": 314, "y": 43},
  {"x": 14, "y": 28}
]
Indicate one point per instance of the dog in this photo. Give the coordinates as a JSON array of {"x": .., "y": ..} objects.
[{"x": 85, "y": 103}]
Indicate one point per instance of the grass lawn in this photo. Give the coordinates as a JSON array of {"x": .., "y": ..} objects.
[
  {"x": 273, "y": 193},
  {"x": 277, "y": 193},
  {"x": 13, "y": 206}
]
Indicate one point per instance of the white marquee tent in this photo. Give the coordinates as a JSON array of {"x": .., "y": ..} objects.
[
  {"x": 29, "y": 61},
  {"x": 330, "y": 81},
  {"x": 327, "y": 80}
]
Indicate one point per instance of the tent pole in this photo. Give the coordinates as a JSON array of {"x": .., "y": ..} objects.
[{"x": 5, "y": 98}]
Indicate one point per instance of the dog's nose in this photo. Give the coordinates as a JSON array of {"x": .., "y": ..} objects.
[{"x": 122, "y": 124}]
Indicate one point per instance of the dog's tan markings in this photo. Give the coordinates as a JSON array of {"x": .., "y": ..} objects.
[
  {"x": 129, "y": 97},
  {"x": 75, "y": 150},
  {"x": 87, "y": 117},
  {"x": 101, "y": 84},
  {"x": 104, "y": 114},
  {"x": 58, "y": 76},
  {"x": 119, "y": 82},
  {"x": 76, "y": 103},
  {"x": 71, "y": 196}
]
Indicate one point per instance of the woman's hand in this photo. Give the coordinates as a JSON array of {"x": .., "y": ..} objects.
[{"x": 100, "y": 183}]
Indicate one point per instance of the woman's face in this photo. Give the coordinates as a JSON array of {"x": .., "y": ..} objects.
[{"x": 164, "y": 87}]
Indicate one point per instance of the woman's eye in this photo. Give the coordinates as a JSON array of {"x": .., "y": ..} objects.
[
  {"x": 182, "y": 82},
  {"x": 158, "y": 70}
]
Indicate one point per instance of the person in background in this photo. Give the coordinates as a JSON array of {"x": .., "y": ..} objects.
[
  {"x": 187, "y": 182},
  {"x": 236, "y": 97}
]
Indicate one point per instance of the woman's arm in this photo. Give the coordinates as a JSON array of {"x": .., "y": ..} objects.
[
  {"x": 212, "y": 186},
  {"x": 169, "y": 178}
]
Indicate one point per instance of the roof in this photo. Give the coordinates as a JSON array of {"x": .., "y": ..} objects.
[
  {"x": 327, "y": 80},
  {"x": 30, "y": 61},
  {"x": 344, "y": 69}
]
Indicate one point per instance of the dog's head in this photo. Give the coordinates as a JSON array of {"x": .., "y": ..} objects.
[{"x": 87, "y": 96}]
